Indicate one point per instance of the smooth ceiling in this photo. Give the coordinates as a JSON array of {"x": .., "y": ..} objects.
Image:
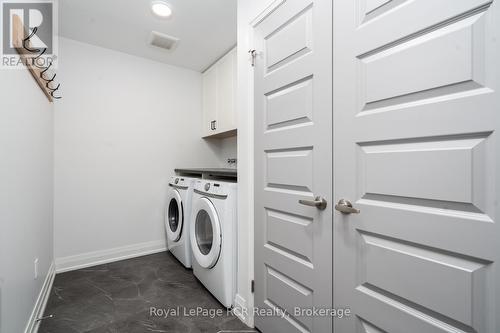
[{"x": 206, "y": 28}]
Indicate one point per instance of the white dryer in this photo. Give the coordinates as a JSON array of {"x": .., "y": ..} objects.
[
  {"x": 213, "y": 235},
  {"x": 177, "y": 217}
]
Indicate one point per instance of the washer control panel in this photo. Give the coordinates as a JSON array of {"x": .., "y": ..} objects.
[{"x": 178, "y": 181}]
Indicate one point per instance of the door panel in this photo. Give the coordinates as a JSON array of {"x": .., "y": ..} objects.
[
  {"x": 291, "y": 106},
  {"x": 293, "y": 38},
  {"x": 416, "y": 116},
  {"x": 293, "y": 156},
  {"x": 298, "y": 164}
]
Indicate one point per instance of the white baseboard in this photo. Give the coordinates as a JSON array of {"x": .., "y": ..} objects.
[
  {"x": 240, "y": 309},
  {"x": 41, "y": 301},
  {"x": 95, "y": 258}
]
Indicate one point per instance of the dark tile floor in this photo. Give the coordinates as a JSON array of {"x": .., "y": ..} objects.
[{"x": 119, "y": 297}]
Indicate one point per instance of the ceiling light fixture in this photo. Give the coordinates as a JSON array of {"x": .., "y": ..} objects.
[{"x": 161, "y": 8}]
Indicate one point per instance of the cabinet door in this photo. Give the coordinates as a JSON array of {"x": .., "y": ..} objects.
[
  {"x": 209, "y": 101},
  {"x": 226, "y": 90}
]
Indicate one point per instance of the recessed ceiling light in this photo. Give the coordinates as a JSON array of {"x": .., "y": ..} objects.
[{"x": 161, "y": 8}]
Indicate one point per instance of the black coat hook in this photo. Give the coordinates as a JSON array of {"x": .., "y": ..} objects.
[
  {"x": 50, "y": 81},
  {"x": 35, "y": 59},
  {"x": 27, "y": 39},
  {"x": 43, "y": 72},
  {"x": 53, "y": 91}
]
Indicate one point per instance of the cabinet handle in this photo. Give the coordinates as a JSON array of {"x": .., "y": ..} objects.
[{"x": 215, "y": 125}]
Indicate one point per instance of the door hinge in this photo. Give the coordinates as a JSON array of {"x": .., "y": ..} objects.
[
  {"x": 253, "y": 54},
  {"x": 252, "y": 286}
]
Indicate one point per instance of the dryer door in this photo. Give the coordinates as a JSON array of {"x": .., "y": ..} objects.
[
  {"x": 174, "y": 216},
  {"x": 205, "y": 234}
]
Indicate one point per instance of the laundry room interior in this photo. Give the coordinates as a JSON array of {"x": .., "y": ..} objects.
[{"x": 249, "y": 166}]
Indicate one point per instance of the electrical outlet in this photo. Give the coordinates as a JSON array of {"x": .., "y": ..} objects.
[{"x": 35, "y": 263}]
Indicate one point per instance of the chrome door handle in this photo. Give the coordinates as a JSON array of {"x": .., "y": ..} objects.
[
  {"x": 318, "y": 202},
  {"x": 345, "y": 207}
]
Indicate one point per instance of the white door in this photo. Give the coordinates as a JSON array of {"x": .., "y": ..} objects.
[
  {"x": 293, "y": 162},
  {"x": 417, "y": 151}
]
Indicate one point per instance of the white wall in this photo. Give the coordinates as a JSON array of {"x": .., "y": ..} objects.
[
  {"x": 248, "y": 10},
  {"x": 122, "y": 127},
  {"x": 26, "y": 221},
  {"x": 227, "y": 149}
]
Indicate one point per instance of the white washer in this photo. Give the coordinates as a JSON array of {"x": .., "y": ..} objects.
[
  {"x": 214, "y": 239},
  {"x": 177, "y": 217}
]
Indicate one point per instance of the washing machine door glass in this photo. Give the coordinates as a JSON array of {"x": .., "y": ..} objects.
[
  {"x": 206, "y": 234},
  {"x": 174, "y": 216}
]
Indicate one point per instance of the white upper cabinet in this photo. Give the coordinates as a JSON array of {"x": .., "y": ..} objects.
[
  {"x": 209, "y": 100},
  {"x": 219, "y": 97}
]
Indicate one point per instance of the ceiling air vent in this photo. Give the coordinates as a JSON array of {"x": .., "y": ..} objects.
[{"x": 163, "y": 41}]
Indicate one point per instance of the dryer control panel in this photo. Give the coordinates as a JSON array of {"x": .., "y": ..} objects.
[{"x": 215, "y": 188}]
